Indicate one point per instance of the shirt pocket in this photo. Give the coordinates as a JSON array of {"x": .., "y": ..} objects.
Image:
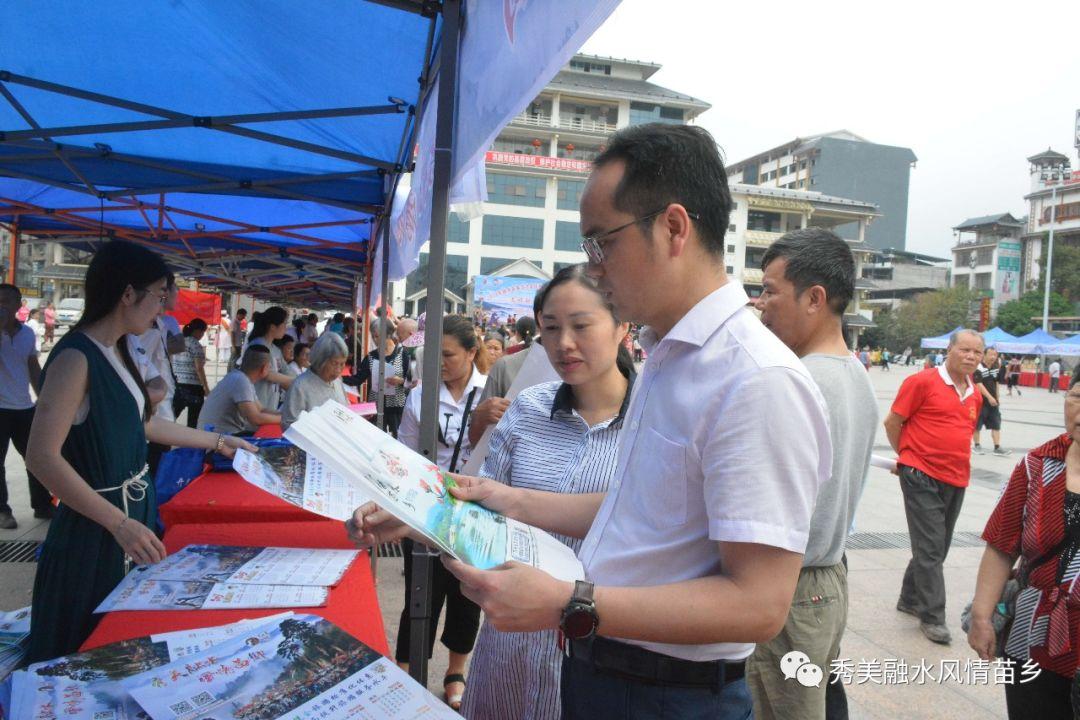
[{"x": 660, "y": 493}]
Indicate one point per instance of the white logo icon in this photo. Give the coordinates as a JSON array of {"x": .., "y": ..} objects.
[{"x": 797, "y": 665}]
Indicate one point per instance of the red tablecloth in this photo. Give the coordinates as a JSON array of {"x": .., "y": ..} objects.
[
  {"x": 1030, "y": 379},
  {"x": 273, "y": 430},
  {"x": 225, "y": 497},
  {"x": 353, "y": 605}
]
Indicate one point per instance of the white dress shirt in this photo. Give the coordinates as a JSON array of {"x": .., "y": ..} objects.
[
  {"x": 450, "y": 416},
  {"x": 726, "y": 440}
]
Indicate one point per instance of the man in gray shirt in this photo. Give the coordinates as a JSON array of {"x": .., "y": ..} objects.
[
  {"x": 232, "y": 407},
  {"x": 809, "y": 278}
]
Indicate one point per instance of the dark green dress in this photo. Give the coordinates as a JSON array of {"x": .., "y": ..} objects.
[{"x": 81, "y": 562}]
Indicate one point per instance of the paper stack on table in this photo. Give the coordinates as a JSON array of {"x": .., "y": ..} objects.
[
  {"x": 416, "y": 492},
  {"x": 14, "y": 638},
  {"x": 216, "y": 577},
  {"x": 283, "y": 666},
  {"x": 297, "y": 478}
]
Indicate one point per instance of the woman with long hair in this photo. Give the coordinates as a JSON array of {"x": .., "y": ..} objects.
[
  {"x": 190, "y": 370},
  {"x": 88, "y": 447},
  {"x": 268, "y": 326},
  {"x": 556, "y": 437},
  {"x": 464, "y": 362}
]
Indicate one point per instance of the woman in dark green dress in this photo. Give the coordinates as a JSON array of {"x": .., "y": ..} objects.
[{"x": 88, "y": 447}]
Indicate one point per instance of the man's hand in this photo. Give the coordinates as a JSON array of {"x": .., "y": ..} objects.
[
  {"x": 993, "y": 402},
  {"x": 491, "y": 494},
  {"x": 395, "y": 381},
  {"x": 490, "y": 411},
  {"x": 370, "y": 526},
  {"x": 982, "y": 638},
  {"x": 513, "y": 596}
]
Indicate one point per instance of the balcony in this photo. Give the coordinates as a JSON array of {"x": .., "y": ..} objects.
[
  {"x": 569, "y": 123},
  {"x": 760, "y": 238}
]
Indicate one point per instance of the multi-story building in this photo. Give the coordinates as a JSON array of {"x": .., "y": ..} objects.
[
  {"x": 986, "y": 257},
  {"x": 761, "y": 215},
  {"x": 537, "y": 168},
  {"x": 1053, "y": 182},
  {"x": 840, "y": 164},
  {"x": 899, "y": 275},
  {"x": 50, "y": 271}
]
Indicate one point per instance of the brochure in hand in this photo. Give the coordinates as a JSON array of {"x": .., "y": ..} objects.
[
  {"x": 253, "y": 565},
  {"x": 85, "y": 685},
  {"x": 416, "y": 492},
  {"x": 136, "y": 593},
  {"x": 294, "y": 476},
  {"x": 306, "y": 668}
]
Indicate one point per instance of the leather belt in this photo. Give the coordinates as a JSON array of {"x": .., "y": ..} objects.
[{"x": 638, "y": 664}]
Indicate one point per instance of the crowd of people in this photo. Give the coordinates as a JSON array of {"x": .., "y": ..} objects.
[{"x": 714, "y": 545}]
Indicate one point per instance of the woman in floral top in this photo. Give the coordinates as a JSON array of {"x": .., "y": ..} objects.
[
  {"x": 190, "y": 370},
  {"x": 1037, "y": 518}
]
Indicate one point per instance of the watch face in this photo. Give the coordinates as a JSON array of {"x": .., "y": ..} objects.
[{"x": 578, "y": 623}]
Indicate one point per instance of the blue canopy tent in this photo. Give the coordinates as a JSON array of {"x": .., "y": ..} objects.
[
  {"x": 244, "y": 129},
  {"x": 940, "y": 342},
  {"x": 996, "y": 335}
]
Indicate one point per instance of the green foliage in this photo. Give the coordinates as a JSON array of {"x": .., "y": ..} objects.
[
  {"x": 1015, "y": 316},
  {"x": 1065, "y": 272},
  {"x": 926, "y": 315}
]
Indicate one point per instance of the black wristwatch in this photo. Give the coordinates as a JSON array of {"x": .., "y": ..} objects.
[{"x": 579, "y": 618}]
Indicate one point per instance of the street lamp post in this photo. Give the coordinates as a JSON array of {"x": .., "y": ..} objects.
[{"x": 1056, "y": 175}]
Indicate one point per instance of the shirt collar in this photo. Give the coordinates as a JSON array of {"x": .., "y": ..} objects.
[
  {"x": 476, "y": 380},
  {"x": 944, "y": 374},
  {"x": 564, "y": 399},
  {"x": 699, "y": 324}
]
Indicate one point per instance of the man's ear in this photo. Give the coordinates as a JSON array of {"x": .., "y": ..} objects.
[
  {"x": 818, "y": 299},
  {"x": 676, "y": 227}
]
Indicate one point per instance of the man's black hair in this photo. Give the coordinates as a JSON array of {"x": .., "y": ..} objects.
[
  {"x": 816, "y": 256},
  {"x": 672, "y": 164}
]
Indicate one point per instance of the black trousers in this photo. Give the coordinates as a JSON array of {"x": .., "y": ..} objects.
[
  {"x": 462, "y": 614},
  {"x": 192, "y": 399},
  {"x": 931, "y": 507},
  {"x": 1045, "y": 697},
  {"x": 392, "y": 419},
  {"x": 15, "y": 430}
]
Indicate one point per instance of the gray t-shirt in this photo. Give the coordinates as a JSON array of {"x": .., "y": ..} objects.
[
  {"x": 853, "y": 420},
  {"x": 308, "y": 392},
  {"x": 222, "y": 409}
]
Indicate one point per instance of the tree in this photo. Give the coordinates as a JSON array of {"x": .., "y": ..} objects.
[
  {"x": 1066, "y": 272},
  {"x": 926, "y": 315},
  {"x": 1015, "y": 316}
]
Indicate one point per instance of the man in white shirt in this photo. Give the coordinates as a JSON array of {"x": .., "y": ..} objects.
[
  {"x": 163, "y": 340},
  {"x": 694, "y": 556},
  {"x": 1055, "y": 375},
  {"x": 19, "y": 371}
]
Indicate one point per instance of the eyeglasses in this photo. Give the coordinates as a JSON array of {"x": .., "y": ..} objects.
[{"x": 594, "y": 248}]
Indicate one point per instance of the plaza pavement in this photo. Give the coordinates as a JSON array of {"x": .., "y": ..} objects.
[{"x": 877, "y": 635}]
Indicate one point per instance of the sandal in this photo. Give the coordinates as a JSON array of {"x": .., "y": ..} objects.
[{"x": 454, "y": 701}]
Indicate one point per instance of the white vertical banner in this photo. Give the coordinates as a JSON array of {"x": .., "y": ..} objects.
[{"x": 510, "y": 50}]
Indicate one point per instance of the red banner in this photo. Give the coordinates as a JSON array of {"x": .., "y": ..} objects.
[
  {"x": 194, "y": 304},
  {"x": 538, "y": 161}
]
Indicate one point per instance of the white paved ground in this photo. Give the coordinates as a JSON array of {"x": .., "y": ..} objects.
[{"x": 876, "y": 632}]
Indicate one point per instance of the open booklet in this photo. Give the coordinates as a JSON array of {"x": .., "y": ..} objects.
[
  {"x": 417, "y": 493},
  {"x": 253, "y": 565},
  {"x": 285, "y": 666},
  {"x": 135, "y": 593}
]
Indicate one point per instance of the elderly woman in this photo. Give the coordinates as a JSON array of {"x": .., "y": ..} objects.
[
  {"x": 1037, "y": 519},
  {"x": 320, "y": 382}
]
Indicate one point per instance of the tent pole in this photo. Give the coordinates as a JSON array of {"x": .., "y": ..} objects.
[
  {"x": 423, "y": 560},
  {"x": 381, "y": 397},
  {"x": 13, "y": 252}
]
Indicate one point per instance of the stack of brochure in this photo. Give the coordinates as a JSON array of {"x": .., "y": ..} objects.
[
  {"x": 417, "y": 493},
  {"x": 294, "y": 666},
  {"x": 220, "y": 576},
  {"x": 14, "y": 638}
]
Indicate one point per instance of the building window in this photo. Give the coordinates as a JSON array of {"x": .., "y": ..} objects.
[
  {"x": 560, "y": 265},
  {"x": 489, "y": 265},
  {"x": 761, "y": 220},
  {"x": 754, "y": 256},
  {"x": 731, "y": 249},
  {"x": 730, "y": 269},
  {"x": 731, "y": 227},
  {"x": 569, "y": 194},
  {"x": 590, "y": 67},
  {"x": 641, "y": 113},
  {"x": 516, "y": 189},
  {"x": 457, "y": 274},
  {"x": 513, "y": 232},
  {"x": 567, "y": 236},
  {"x": 456, "y": 230}
]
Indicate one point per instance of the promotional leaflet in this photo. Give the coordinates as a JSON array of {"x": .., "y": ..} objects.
[
  {"x": 416, "y": 492},
  {"x": 253, "y": 565},
  {"x": 306, "y": 669},
  {"x": 297, "y": 478},
  {"x": 134, "y": 593},
  {"x": 85, "y": 686}
]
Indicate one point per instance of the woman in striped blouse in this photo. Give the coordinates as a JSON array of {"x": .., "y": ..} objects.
[{"x": 558, "y": 437}]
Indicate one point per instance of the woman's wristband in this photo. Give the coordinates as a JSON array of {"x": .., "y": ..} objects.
[{"x": 220, "y": 442}]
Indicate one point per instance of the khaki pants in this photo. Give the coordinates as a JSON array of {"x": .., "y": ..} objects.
[{"x": 814, "y": 626}]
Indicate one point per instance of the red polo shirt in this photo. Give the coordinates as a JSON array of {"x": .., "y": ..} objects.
[{"x": 936, "y": 435}]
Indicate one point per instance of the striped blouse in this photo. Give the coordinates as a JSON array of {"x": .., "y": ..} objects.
[{"x": 541, "y": 443}]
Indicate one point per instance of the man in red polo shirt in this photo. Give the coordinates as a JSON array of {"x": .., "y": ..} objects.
[{"x": 930, "y": 427}]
